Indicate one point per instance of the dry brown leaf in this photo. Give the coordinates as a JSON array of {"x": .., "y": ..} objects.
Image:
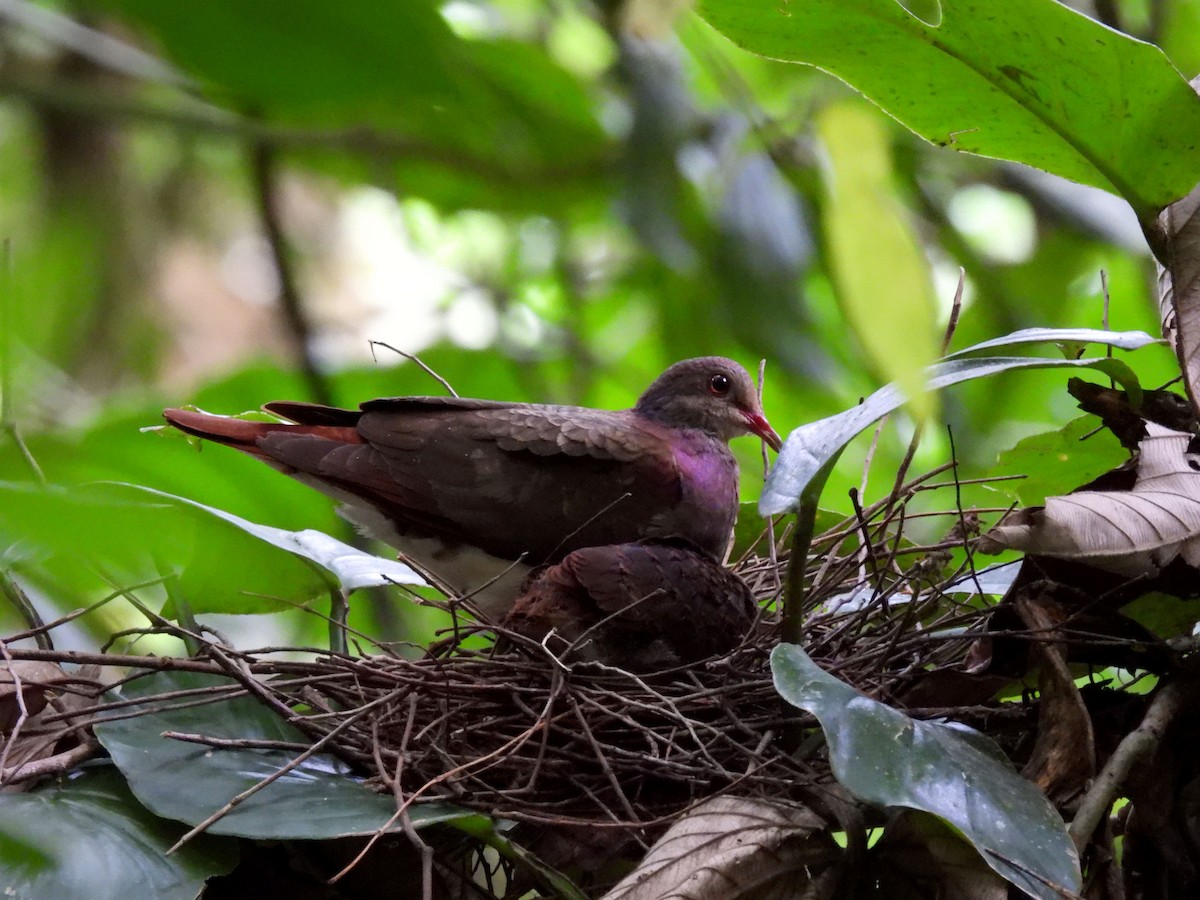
[
  {"x": 33, "y": 678},
  {"x": 1132, "y": 533},
  {"x": 53, "y": 744},
  {"x": 735, "y": 847},
  {"x": 1063, "y": 759}
]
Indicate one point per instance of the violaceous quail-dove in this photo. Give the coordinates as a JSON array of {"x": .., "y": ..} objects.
[{"x": 476, "y": 493}]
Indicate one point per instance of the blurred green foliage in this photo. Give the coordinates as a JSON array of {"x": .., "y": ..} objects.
[{"x": 553, "y": 207}]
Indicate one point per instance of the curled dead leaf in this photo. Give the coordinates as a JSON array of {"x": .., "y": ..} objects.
[
  {"x": 1132, "y": 533},
  {"x": 1063, "y": 760},
  {"x": 33, "y": 747},
  {"x": 24, "y": 683},
  {"x": 1175, "y": 239},
  {"x": 736, "y": 847}
]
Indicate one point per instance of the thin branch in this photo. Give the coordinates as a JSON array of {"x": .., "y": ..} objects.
[
  {"x": 49, "y": 765},
  {"x": 10, "y": 739},
  {"x": 266, "y": 190},
  {"x": 20, "y": 600},
  {"x": 772, "y": 550}
]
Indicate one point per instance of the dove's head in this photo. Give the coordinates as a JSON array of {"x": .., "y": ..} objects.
[{"x": 711, "y": 393}]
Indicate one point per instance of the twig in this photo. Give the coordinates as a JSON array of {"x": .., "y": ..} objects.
[
  {"x": 98, "y": 47},
  {"x": 772, "y": 551},
  {"x": 596, "y": 515},
  {"x": 396, "y": 784},
  {"x": 233, "y": 743},
  {"x": 967, "y": 546},
  {"x": 14, "y": 732},
  {"x": 412, "y": 357},
  {"x": 153, "y": 663},
  {"x": 49, "y": 765},
  {"x": 47, "y": 627},
  {"x": 21, "y": 602}
]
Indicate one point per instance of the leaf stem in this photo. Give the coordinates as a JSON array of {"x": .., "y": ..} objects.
[{"x": 792, "y": 629}]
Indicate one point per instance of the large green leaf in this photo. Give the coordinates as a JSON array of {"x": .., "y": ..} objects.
[
  {"x": 353, "y": 568},
  {"x": 224, "y": 563},
  {"x": 87, "y": 837},
  {"x": 884, "y": 757},
  {"x": 131, "y": 537},
  {"x": 1057, "y": 462},
  {"x": 317, "y": 799},
  {"x": 1026, "y": 80}
]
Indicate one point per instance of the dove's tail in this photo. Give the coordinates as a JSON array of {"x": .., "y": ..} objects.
[{"x": 247, "y": 436}]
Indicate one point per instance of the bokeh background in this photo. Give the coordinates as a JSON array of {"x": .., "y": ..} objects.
[{"x": 225, "y": 203}]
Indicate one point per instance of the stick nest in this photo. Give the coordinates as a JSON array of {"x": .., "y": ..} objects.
[
  {"x": 514, "y": 729},
  {"x": 511, "y": 730}
]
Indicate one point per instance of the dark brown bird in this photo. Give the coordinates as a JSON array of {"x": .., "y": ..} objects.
[
  {"x": 643, "y": 607},
  {"x": 477, "y": 492}
]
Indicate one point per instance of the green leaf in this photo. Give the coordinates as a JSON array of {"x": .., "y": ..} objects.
[
  {"x": 1057, "y": 462},
  {"x": 884, "y": 757},
  {"x": 883, "y": 279},
  {"x": 491, "y": 833},
  {"x": 810, "y": 447},
  {"x": 133, "y": 538},
  {"x": 1124, "y": 340},
  {"x": 353, "y": 568},
  {"x": 318, "y": 799},
  {"x": 1164, "y": 614},
  {"x": 87, "y": 837},
  {"x": 1027, "y": 80}
]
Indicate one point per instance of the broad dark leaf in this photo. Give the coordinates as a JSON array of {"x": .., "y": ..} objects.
[
  {"x": 1027, "y": 80},
  {"x": 87, "y": 836},
  {"x": 318, "y": 799},
  {"x": 884, "y": 757}
]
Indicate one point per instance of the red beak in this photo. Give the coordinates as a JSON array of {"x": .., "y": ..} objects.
[{"x": 758, "y": 424}]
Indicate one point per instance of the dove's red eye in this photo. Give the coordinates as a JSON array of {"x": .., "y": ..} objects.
[{"x": 719, "y": 385}]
